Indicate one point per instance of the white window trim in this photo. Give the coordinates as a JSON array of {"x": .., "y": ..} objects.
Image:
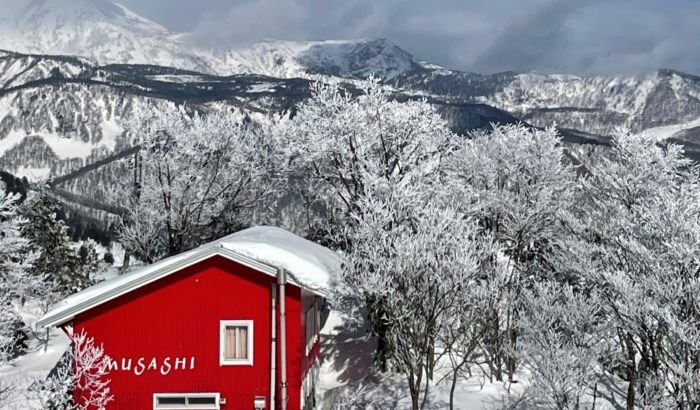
[
  {"x": 156, "y": 396},
  {"x": 235, "y": 362}
]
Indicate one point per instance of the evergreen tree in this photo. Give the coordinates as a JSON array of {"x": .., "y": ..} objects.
[
  {"x": 89, "y": 262},
  {"x": 57, "y": 263}
]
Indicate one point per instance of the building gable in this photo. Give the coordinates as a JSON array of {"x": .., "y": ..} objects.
[{"x": 264, "y": 249}]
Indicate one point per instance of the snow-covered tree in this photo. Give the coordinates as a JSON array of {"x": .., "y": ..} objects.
[
  {"x": 80, "y": 381},
  {"x": 351, "y": 399},
  {"x": 516, "y": 182},
  {"x": 461, "y": 335},
  {"x": 411, "y": 260},
  {"x": 15, "y": 261},
  {"x": 202, "y": 176},
  {"x": 341, "y": 147},
  {"x": 565, "y": 338},
  {"x": 340, "y": 144},
  {"x": 641, "y": 228},
  {"x": 89, "y": 261},
  {"x": 57, "y": 264}
]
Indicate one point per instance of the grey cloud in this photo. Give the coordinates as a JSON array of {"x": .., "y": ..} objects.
[
  {"x": 529, "y": 41},
  {"x": 577, "y": 36}
]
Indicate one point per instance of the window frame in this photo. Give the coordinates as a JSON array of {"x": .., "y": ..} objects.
[
  {"x": 223, "y": 324},
  {"x": 215, "y": 396},
  {"x": 310, "y": 330}
]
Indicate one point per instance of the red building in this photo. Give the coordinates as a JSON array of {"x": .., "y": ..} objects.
[{"x": 203, "y": 329}]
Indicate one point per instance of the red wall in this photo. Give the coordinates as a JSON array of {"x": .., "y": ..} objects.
[{"x": 178, "y": 317}]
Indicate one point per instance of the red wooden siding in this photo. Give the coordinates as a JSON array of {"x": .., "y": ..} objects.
[{"x": 178, "y": 317}]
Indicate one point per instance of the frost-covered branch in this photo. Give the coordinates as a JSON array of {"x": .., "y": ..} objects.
[
  {"x": 203, "y": 176},
  {"x": 80, "y": 381}
]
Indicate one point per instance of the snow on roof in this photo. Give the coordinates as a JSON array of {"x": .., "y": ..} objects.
[
  {"x": 310, "y": 265},
  {"x": 263, "y": 248}
]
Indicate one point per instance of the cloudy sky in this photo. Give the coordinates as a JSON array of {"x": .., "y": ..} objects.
[
  {"x": 577, "y": 36},
  {"x": 574, "y": 36}
]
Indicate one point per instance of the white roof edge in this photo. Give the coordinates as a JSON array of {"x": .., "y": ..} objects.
[{"x": 53, "y": 319}]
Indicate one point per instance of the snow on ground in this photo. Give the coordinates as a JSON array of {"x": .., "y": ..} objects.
[
  {"x": 113, "y": 270},
  {"x": 33, "y": 174},
  {"x": 261, "y": 88},
  {"x": 667, "y": 131},
  {"x": 64, "y": 148},
  {"x": 347, "y": 370},
  {"x": 179, "y": 78},
  {"x": 35, "y": 364}
]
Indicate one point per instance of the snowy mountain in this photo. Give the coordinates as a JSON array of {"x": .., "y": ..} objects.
[
  {"x": 335, "y": 58},
  {"x": 595, "y": 104},
  {"x": 60, "y": 113},
  {"x": 599, "y": 103},
  {"x": 97, "y": 29},
  {"x": 109, "y": 33}
]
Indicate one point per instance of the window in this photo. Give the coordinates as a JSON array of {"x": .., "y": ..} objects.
[
  {"x": 313, "y": 324},
  {"x": 236, "y": 345},
  {"x": 311, "y": 329},
  {"x": 186, "y": 401}
]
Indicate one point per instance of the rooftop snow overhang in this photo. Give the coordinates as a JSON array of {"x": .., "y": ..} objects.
[{"x": 64, "y": 312}]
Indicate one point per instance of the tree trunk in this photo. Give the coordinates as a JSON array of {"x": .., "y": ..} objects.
[
  {"x": 595, "y": 394},
  {"x": 631, "y": 371},
  {"x": 630, "y": 393},
  {"x": 511, "y": 359},
  {"x": 414, "y": 390},
  {"x": 425, "y": 394},
  {"x": 455, "y": 376},
  {"x": 125, "y": 264}
]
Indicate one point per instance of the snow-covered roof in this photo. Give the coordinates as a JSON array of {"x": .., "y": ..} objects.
[{"x": 263, "y": 248}]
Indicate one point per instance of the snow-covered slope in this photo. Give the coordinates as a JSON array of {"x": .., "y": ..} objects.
[
  {"x": 59, "y": 113},
  {"x": 594, "y": 104},
  {"x": 110, "y": 33},
  {"x": 17, "y": 70},
  {"x": 98, "y": 29},
  {"x": 669, "y": 131},
  {"x": 342, "y": 58},
  {"x": 597, "y": 104}
]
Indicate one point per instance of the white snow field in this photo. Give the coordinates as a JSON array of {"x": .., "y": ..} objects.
[
  {"x": 36, "y": 364},
  {"x": 347, "y": 371}
]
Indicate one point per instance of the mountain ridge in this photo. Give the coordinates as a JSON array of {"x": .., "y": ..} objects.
[{"x": 110, "y": 33}]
